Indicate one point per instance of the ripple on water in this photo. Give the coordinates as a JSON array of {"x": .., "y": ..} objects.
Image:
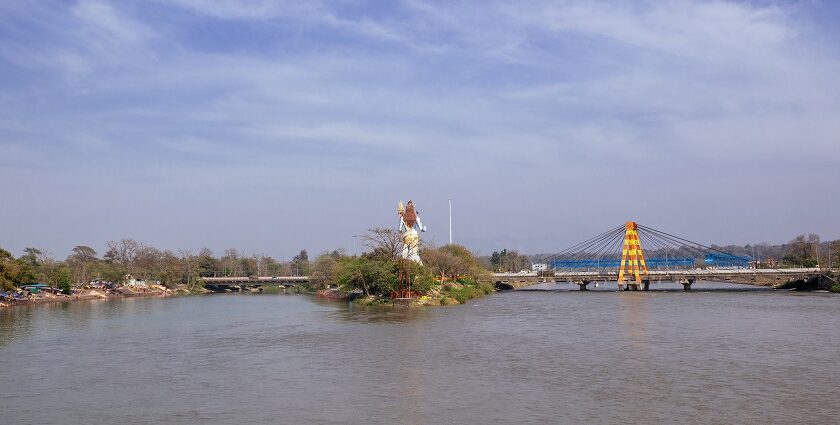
[{"x": 521, "y": 356}]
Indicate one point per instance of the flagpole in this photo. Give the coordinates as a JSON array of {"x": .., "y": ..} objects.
[{"x": 450, "y": 221}]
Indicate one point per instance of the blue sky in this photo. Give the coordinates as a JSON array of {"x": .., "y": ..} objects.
[{"x": 274, "y": 126}]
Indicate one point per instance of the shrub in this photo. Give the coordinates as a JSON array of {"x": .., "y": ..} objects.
[{"x": 835, "y": 288}]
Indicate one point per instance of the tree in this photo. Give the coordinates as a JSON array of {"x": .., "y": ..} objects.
[
  {"x": 440, "y": 262},
  {"x": 509, "y": 261},
  {"x": 207, "y": 265},
  {"x": 31, "y": 256},
  {"x": 384, "y": 243},
  {"x": 122, "y": 254},
  {"x": 323, "y": 270},
  {"x": 81, "y": 260},
  {"x": 300, "y": 263},
  {"x": 84, "y": 253},
  {"x": 60, "y": 278},
  {"x": 496, "y": 260},
  {"x": 9, "y": 270},
  {"x": 230, "y": 262},
  {"x": 191, "y": 267},
  {"x": 148, "y": 262},
  {"x": 452, "y": 261},
  {"x": 171, "y": 270},
  {"x": 248, "y": 266},
  {"x": 802, "y": 251},
  {"x": 371, "y": 275}
]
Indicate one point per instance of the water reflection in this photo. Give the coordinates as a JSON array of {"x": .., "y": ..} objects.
[{"x": 632, "y": 309}]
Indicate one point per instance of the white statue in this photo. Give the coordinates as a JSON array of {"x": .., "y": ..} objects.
[{"x": 409, "y": 226}]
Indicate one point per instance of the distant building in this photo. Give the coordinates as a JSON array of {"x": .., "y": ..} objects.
[
  {"x": 539, "y": 267},
  {"x": 130, "y": 281}
]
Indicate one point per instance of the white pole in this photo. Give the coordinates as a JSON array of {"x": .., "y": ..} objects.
[{"x": 450, "y": 221}]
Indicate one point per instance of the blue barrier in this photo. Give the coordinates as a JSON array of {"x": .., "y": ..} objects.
[
  {"x": 651, "y": 263},
  {"x": 726, "y": 260}
]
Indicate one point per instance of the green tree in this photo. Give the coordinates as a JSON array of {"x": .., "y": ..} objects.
[
  {"x": 60, "y": 278},
  {"x": 207, "y": 265},
  {"x": 496, "y": 260},
  {"x": 509, "y": 261},
  {"x": 300, "y": 263},
  {"x": 9, "y": 270},
  {"x": 371, "y": 276},
  {"x": 323, "y": 270}
]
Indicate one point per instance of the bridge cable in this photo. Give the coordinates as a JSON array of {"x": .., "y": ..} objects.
[
  {"x": 689, "y": 246},
  {"x": 686, "y": 240},
  {"x": 597, "y": 251},
  {"x": 580, "y": 244},
  {"x": 595, "y": 246},
  {"x": 585, "y": 243},
  {"x": 582, "y": 251}
]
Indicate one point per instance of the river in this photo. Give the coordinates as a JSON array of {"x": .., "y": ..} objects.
[{"x": 733, "y": 357}]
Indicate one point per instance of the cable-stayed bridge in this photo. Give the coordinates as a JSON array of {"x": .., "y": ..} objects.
[{"x": 634, "y": 256}]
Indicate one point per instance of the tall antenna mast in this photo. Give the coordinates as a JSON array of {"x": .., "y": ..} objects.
[{"x": 450, "y": 221}]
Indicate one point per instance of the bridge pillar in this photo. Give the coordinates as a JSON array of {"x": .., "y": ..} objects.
[
  {"x": 687, "y": 284},
  {"x": 583, "y": 285},
  {"x": 646, "y": 284}
]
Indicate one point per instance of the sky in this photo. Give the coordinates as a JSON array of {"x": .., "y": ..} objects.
[{"x": 275, "y": 126}]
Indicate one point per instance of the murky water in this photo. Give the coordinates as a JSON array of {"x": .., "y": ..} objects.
[{"x": 515, "y": 357}]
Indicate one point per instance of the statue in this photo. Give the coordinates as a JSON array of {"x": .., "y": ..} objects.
[{"x": 409, "y": 225}]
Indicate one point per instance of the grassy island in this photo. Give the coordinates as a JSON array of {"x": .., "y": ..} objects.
[{"x": 449, "y": 274}]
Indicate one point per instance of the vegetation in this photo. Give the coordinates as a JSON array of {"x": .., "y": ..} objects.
[
  {"x": 449, "y": 272},
  {"x": 835, "y": 289},
  {"x": 509, "y": 261},
  {"x": 803, "y": 251},
  {"x": 128, "y": 257}
]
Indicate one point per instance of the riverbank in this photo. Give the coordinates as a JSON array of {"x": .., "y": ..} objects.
[{"x": 44, "y": 297}]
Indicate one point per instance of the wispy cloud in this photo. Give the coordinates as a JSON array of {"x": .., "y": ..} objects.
[{"x": 554, "y": 100}]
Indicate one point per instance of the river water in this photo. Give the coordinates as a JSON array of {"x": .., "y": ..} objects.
[{"x": 719, "y": 357}]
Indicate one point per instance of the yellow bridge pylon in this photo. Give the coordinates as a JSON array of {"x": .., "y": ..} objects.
[{"x": 632, "y": 259}]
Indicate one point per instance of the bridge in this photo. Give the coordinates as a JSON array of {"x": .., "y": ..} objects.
[
  {"x": 759, "y": 277},
  {"x": 633, "y": 256},
  {"x": 230, "y": 281}
]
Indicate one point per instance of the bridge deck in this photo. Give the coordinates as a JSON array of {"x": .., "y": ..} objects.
[
  {"x": 255, "y": 280},
  {"x": 734, "y": 275}
]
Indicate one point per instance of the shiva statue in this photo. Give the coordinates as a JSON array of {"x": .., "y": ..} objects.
[{"x": 409, "y": 226}]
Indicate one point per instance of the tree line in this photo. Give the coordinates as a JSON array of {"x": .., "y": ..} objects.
[
  {"x": 128, "y": 257},
  {"x": 378, "y": 270}
]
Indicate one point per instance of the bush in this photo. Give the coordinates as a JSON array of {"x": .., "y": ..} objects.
[
  {"x": 272, "y": 289},
  {"x": 835, "y": 289},
  {"x": 468, "y": 291}
]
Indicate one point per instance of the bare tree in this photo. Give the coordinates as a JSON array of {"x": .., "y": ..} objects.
[
  {"x": 383, "y": 242},
  {"x": 123, "y": 253},
  {"x": 442, "y": 263},
  {"x": 231, "y": 261},
  {"x": 189, "y": 263}
]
